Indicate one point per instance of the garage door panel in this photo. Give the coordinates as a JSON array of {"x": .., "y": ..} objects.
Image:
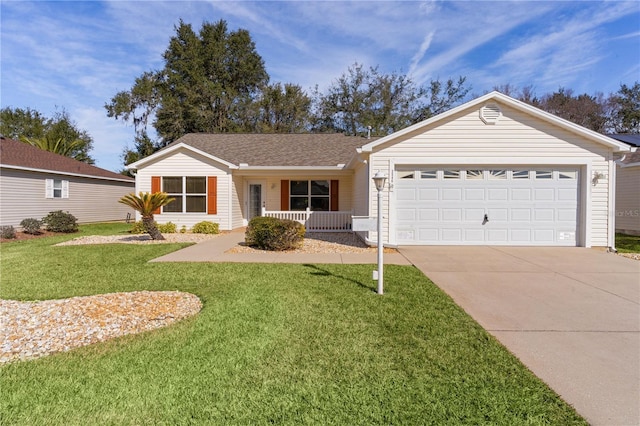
[
  {"x": 428, "y": 234},
  {"x": 451, "y": 194},
  {"x": 475, "y": 194},
  {"x": 520, "y": 235},
  {"x": 474, "y": 215},
  {"x": 474, "y": 235},
  {"x": 451, "y": 215},
  {"x": 406, "y": 214},
  {"x": 405, "y": 194},
  {"x": 537, "y": 209},
  {"x": 428, "y": 214},
  {"x": 544, "y": 236},
  {"x": 543, "y": 215},
  {"x": 432, "y": 194},
  {"x": 498, "y": 215},
  {"x": 567, "y": 215},
  {"x": 451, "y": 235},
  {"x": 521, "y": 215},
  {"x": 521, "y": 194},
  {"x": 497, "y": 235},
  {"x": 567, "y": 194},
  {"x": 544, "y": 194},
  {"x": 497, "y": 194}
]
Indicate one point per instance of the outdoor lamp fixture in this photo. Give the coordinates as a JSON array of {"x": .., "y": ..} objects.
[{"x": 379, "y": 179}]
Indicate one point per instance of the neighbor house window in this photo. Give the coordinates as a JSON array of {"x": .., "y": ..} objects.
[
  {"x": 190, "y": 193},
  {"x": 314, "y": 194},
  {"x": 57, "y": 188}
]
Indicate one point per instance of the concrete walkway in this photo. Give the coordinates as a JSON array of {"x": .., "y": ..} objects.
[
  {"x": 214, "y": 251},
  {"x": 572, "y": 315}
]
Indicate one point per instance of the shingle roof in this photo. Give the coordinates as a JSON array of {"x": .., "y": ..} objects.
[
  {"x": 277, "y": 150},
  {"x": 20, "y": 154},
  {"x": 628, "y": 138}
]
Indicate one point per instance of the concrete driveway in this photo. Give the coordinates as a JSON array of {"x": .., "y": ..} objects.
[{"x": 572, "y": 315}]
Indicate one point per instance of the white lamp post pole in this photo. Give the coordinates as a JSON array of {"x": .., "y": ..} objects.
[{"x": 379, "y": 179}]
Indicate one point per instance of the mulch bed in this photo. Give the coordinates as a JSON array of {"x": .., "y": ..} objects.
[{"x": 21, "y": 236}]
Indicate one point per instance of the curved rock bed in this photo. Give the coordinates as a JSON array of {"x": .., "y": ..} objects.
[
  {"x": 138, "y": 239},
  {"x": 30, "y": 330}
]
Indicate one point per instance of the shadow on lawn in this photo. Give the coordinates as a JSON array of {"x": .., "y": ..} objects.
[{"x": 323, "y": 272}]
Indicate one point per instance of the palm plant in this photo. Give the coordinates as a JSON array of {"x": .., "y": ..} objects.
[
  {"x": 146, "y": 203},
  {"x": 57, "y": 146}
]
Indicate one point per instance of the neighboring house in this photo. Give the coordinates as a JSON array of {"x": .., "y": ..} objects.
[
  {"x": 34, "y": 182},
  {"x": 628, "y": 194},
  {"x": 492, "y": 171}
]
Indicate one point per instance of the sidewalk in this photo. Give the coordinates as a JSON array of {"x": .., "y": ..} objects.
[{"x": 214, "y": 251}]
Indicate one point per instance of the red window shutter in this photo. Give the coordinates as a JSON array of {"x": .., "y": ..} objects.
[
  {"x": 212, "y": 195},
  {"x": 284, "y": 195},
  {"x": 334, "y": 196},
  {"x": 155, "y": 187}
]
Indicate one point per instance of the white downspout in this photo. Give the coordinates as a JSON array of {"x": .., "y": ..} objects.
[{"x": 612, "y": 205}]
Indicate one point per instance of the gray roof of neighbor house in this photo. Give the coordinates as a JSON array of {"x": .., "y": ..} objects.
[
  {"x": 276, "y": 150},
  {"x": 20, "y": 155},
  {"x": 631, "y": 158},
  {"x": 628, "y": 138}
]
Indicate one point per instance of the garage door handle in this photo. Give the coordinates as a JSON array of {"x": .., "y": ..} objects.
[{"x": 486, "y": 219}]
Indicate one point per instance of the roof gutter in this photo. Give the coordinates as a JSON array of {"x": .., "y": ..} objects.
[{"x": 244, "y": 166}]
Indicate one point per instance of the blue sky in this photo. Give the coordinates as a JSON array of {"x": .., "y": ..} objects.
[{"x": 77, "y": 55}]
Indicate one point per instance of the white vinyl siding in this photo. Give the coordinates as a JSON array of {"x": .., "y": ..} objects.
[
  {"x": 23, "y": 195},
  {"x": 628, "y": 200},
  {"x": 516, "y": 139},
  {"x": 187, "y": 163}
]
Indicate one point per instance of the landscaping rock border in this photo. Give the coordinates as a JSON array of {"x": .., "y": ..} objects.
[{"x": 31, "y": 330}]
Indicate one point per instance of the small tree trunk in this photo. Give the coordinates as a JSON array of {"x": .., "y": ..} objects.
[{"x": 151, "y": 228}]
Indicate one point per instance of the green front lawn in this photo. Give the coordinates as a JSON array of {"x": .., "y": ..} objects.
[
  {"x": 627, "y": 243},
  {"x": 285, "y": 344}
]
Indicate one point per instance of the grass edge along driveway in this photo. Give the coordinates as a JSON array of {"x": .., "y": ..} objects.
[{"x": 284, "y": 344}]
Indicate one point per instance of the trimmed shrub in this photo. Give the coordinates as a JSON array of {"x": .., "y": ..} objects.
[
  {"x": 59, "y": 221},
  {"x": 137, "y": 228},
  {"x": 183, "y": 229},
  {"x": 269, "y": 233},
  {"x": 31, "y": 226},
  {"x": 7, "y": 232},
  {"x": 206, "y": 227},
  {"x": 168, "y": 228}
]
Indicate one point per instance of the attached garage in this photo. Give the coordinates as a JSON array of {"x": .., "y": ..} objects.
[
  {"x": 490, "y": 205},
  {"x": 494, "y": 171}
]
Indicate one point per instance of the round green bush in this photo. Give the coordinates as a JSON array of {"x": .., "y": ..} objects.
[
  {"x": 137, "y": 228},
  {"x": 7, "y": 232},
  {"x": 168, "y": 228},
  {"x": 31, "y": 226},
  {"x": 59, "y": 221},
  {"x": 206, "y": 227},
  {"x": 269, "y": 233}
]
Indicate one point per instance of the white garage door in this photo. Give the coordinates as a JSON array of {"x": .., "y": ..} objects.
[{"x": 492, "y": 206}]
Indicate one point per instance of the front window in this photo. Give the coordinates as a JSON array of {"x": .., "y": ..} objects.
[
  {"x": 309, "y": 193},
  {"x": 190, "y": 193},
  {"x": 57, "y": 188}
]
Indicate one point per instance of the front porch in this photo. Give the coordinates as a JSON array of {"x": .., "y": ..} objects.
[{"x": 315, "y": 221}]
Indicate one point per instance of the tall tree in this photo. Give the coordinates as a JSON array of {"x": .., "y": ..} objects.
[
  {"x": 624, "y": 115},
  {"x": 208, "y": 84},
  {"x": 59, "y": 134},
  {"x": 585, "y": 110},
  {"x": 282, "y": 109},
  {"x": 361, "y": 97}
]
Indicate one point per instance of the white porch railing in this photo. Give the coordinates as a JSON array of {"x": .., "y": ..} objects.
[{"x": 315, "y": 221}]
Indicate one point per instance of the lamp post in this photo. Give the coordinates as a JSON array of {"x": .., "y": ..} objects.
[{"x": 379, "y": 179}]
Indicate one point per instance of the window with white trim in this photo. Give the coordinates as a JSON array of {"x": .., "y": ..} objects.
[
  {"x": 56, "y": 188},
  {"x": 314, "y": 194},
  {"x": 190, "y": 193}
]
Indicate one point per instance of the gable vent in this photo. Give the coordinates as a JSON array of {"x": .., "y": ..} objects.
[{"x": 490, "y": 113}]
